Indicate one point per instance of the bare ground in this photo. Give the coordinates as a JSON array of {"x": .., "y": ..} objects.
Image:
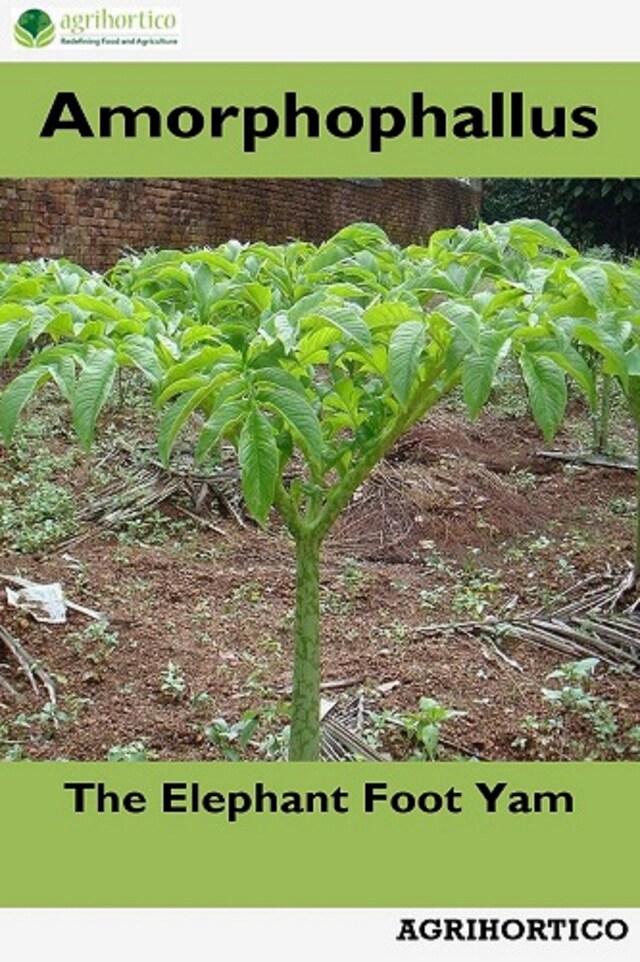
[{"x": 461, "y": 522}]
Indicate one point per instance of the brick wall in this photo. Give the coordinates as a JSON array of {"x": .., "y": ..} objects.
[{"x": 93, "y": 221}]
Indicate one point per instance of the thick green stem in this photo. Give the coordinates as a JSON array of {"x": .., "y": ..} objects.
[
  {"x": 600, "y": 418},
  {"x": 305, "y": 722},
  {"x": 309, "y": 533}
]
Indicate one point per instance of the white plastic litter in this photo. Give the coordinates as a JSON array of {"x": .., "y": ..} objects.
[{"x": 45, "y": 603}]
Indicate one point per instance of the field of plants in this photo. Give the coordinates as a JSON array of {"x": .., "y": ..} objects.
[{"x": 343, "y": 501}]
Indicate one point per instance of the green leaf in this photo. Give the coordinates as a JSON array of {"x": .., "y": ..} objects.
[
  {"x": 63, "y": 372},
  {"x": 28, "y": 289},
  {"x": 92, "y": 390},
  {"x": 14, "y": 312},
  {"x": 464, "y": 276},
  {"x": 183, "y": 386},
  {"x": 389, "y": 314},
  {"x": 547, "y": 391},
  {"x": 221, "y": 421},
  {"x": 350, "y": 323},
  {"x": 15, "y": 396},
  {"x": 9, "y": 331},
  {"x": 593, "y": 282},
  {"x": 306, "y": 305},
  {"x": 208, "y": 359},
  {"x": 198, "y": 333},
  {"x": 61, "y": 325},
  {"x": 571, "y": 361},
  {"x": 258, "y": 457},
  {"x": 479, "y": 371},
  {"x": 175, "y": 419},
  {"x": 606, "y": 344},
  {"x": 464, "y": 319},
  {"x": 279, "y": 378},
  {"x": 537, "y": 232},
  {"x": 259, "y": 296},
  {"x": 405, "y": 349},
  {"x": 96, "y": 305},
  {"x": 141, "y": 354},
  {"x": 204, "y": 283},
  {"x": 300, "y": 417},
  {"x": 92, "y": 330},
  {"x": 327, "y": 255},
  {"x": 312, "y": 348}
]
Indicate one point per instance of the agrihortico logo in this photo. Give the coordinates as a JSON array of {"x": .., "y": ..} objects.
[
  {"x": 34, "y": 28},
  {"x": 98, "y": 27}
]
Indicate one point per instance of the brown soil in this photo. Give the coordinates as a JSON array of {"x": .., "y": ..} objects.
[{"x": 460, "y": 521}]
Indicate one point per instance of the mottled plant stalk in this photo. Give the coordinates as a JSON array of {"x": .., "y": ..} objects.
[
  {"x": 305, "y": 722},
  {"x": 309, "y": 534}
]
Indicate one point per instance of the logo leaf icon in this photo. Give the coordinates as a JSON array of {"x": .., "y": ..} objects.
[{"x": 34, "y": 28}]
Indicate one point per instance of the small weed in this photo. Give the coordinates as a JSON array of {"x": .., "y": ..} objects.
[
  {"x": 202, "y": 610},
  {"x": 34, "y": 519},
  {"x": 508, "y": 397},
  {"x": 353, "y": 577},
  {"x": 45, "y": 723},
  {"x": 50, "y": 717},
  {"x": 421, "y": 727},
  {"x": 632, "y": 737},
  {"x": 576, "y": 672},
  {"x": 10, "y": 749},
  {"x": 522, "y": 479},
  {"x": 231, "y": 739},
  {"x": 396, "y": 632},
  {"x": 135, "y": 751},
  {"x": 539, "y": 731},
  {"x": 574, "y": 698},
  {"x": 95, "y": 642},
  {"x": 564, "y": 566},
  {"x": 246, "y": 594},
  {"x": 255, "y": 683},
  {"x": 333, "y": 603},
  {"x": 153, "y": 528},
  {"x": 541, "y": 543},
  {"x": 274, "y": 746},
  {"x": 474, "y": 596},
  {"x": 35, "y": 509},
  {"x": 172, "y": 682},
  {"x": 200, "y": 702},
  {"x": 434, "y": 561},
  {"x": 271, "y": 646},
  {"x": 431, "y": 597},
  {"x": 624, "y": 507}
]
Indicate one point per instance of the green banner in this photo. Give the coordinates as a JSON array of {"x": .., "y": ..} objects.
[
  {"x": 311, "y": 120},
  {"x": 255, "y": 834}
]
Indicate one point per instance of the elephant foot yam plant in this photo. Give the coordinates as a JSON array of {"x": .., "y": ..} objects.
[{"x": 311, "y": 361}]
